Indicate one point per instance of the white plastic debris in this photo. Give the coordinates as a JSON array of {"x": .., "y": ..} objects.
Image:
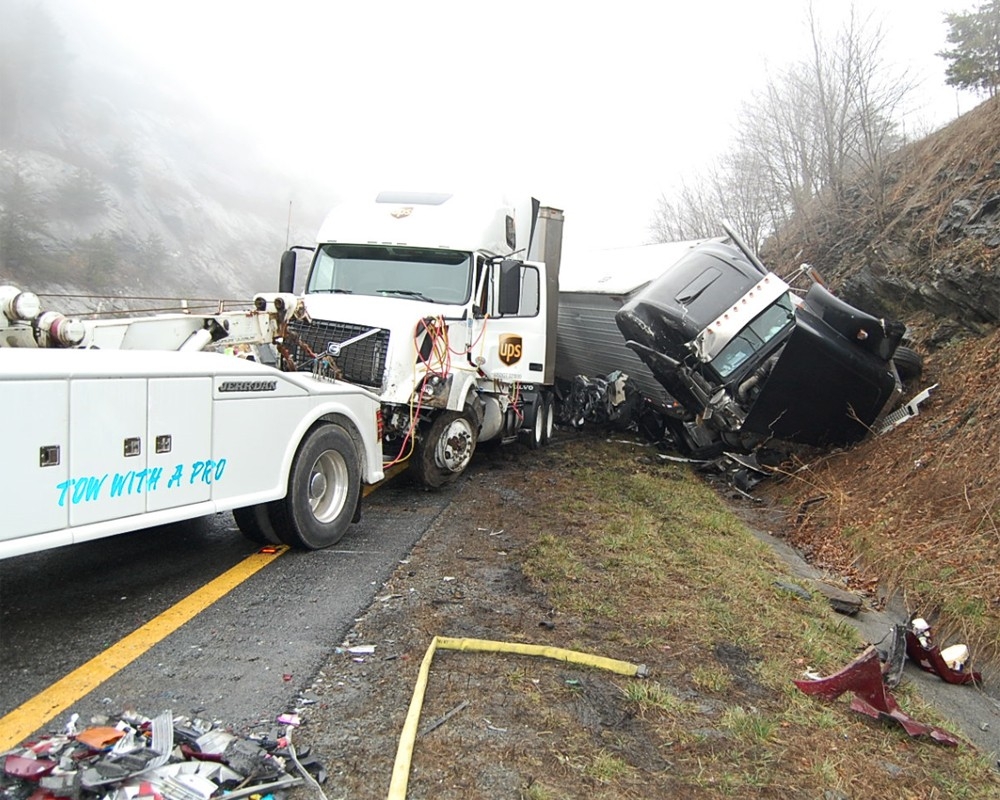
[
  {"x": 922, "y": 630},
  {"x": 904, "y": 412},
  {"x": 955, "y": 656}
]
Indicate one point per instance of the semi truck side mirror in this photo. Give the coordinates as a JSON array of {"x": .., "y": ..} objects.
[
  {"x": 509, "y": 300},
  {"x": 286, "y": 272}
]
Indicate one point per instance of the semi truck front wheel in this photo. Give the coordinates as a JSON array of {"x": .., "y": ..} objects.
[
  {"x": 323, "y": 488},
  {"x": 445, "y": 448}
]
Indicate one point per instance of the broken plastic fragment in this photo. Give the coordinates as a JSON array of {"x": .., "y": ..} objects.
[
  {"x": 904, "y": 412},
  {"x": 895, "y": 659},
  {"x": 29, "y": 769},
  {"x": 863, "y": 677},
  {"x": 921, "y": 649},
  {"x": 251, "y": 760},
  {"x": 955, "y": 656},
  {"x": 99, "y": 738},
  {"x": 116, "y": 767},
  {"x": 214, "y": 743}
]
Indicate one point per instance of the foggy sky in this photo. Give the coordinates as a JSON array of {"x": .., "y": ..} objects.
[{"x": 593, "y": 108}]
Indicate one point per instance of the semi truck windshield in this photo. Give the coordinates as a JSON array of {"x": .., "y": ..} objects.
[
  {"x": 768, "y": 324},
  {"x": 439, "y": 276}
]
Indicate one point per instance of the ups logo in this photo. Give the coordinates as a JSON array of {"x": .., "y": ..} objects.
[{"x": 510, "y": 348}]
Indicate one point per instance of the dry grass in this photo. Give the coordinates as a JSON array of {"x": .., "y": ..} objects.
[
  {"x": 916, "y": 511},
  {"x": 606, "y": 551}
]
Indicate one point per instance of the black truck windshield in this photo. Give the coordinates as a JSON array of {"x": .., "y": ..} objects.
[
  {"x": 768, "y": 324},
  {"x": 439, "y": 276}
]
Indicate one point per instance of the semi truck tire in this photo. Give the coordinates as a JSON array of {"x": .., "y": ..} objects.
[
  {"x": 908, "y": 362},
  {"x": 255, "y": 524},
  {"x": 323, "y": 488},
  {"x": 536, "y": 433},
  {"x": 445, "y": 448},
  {"x": 549, "y": 415},
  {"x": 542, "y": 421}
]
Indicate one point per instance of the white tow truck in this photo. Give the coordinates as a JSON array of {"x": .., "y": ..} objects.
[
  {"x": 445, "y": 306},
  {"x": 122, "y": 424}
]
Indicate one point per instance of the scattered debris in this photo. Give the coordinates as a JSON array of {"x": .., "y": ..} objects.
[
  {"x": 869, "y": 682},
  {"x": 904, "y": 412},
  {"x": 864, "y": 677},
  {"x": 895, "y": 657},
  {"x": 949, "y": 664},
  {"x": 443, "y": 718},
  {"x": 165, "y": 758},
  {"x": 604, "y": 400}
]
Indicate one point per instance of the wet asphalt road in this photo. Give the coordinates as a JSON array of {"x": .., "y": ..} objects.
[{"x": 242, "y": 660}]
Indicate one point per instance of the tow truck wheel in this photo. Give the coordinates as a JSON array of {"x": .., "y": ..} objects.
[
  {"x": 255, "y": 524},
  {"x": 445, "y": 449},
  {"x": 323, "y": 489}
]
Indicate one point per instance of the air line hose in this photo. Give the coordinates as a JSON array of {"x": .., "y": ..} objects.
[{"x": 404, "y": 753}]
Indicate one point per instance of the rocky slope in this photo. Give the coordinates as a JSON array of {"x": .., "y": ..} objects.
[
  {"x": 914, "y": 512},
  {"x": 931, "y": 248},
  {"x": 116, "y": 185}
]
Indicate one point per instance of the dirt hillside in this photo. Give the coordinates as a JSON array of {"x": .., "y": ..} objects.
[{"x": 915, "y": 511}]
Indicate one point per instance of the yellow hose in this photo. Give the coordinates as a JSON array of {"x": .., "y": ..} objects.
[{"x": 404, "y": 753}]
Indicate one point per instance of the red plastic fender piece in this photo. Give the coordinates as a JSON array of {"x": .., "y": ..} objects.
[
  {"x": 28, "y": 769},
  {"x": 929, "y": 659},
  {"x": 196, "y": 755},
  {"x": 863, "y": 676}
]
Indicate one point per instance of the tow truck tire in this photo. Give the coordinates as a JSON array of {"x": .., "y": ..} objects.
[
  {"x": 323, "y": 489},
  {"x": 255, "y": 524},
  {"x": 908, "y": 362},
  {"x": 445, "y": 449}
]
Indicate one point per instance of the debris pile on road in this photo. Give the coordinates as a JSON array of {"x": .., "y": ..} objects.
[{"x": 164, "y": 758}]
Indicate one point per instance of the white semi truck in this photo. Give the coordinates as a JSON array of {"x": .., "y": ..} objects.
[
  {"x": 445, "y": 306},
  {"x": 118, "y": 425}
]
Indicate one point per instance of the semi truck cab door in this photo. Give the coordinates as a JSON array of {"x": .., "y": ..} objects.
[{"x": 514, "y": 336}]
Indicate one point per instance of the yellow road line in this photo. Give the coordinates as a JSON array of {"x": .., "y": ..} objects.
[
  {"x": 32, "y": 714},
  {"x": 390, "y": 473}
]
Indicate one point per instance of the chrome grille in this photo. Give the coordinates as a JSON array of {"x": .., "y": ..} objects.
[{"x": 362, "y": 362}]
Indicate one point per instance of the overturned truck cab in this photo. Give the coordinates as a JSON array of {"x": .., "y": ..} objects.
[{"x": 750, "y": 360}]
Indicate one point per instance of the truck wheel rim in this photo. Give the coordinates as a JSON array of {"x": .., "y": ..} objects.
[
  {"x": 550, "y": 419},
  {"x": 328, "y": 484},
  {"x": 454, "y": 448}
]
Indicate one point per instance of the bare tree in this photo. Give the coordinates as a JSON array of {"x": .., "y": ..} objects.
[
  {"x": 694, "y": 214},
  {"x": 734, "y": 191},
  {"x": 818, "y": 126}
]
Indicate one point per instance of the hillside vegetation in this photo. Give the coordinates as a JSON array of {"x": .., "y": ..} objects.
[
  {"x": 915, "y": 511},
  {"x": 112, "y": 184}
]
